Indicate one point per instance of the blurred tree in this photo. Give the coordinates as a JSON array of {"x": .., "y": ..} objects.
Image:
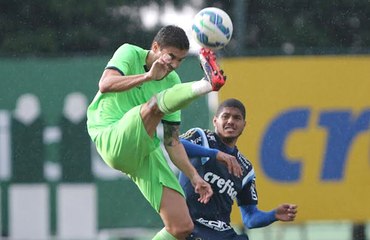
[
  {"x": 311, "y": 26},
  {"x": 53, "y": 26},
  {"x": 100, "y": 26}
]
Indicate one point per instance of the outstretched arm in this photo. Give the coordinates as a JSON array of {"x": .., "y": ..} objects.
[
  {"x": 255, "y": 218},
  {"x": 195, "y": 150},
  {"x": 178, "y": 156}
]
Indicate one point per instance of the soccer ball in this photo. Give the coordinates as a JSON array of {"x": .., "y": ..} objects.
[{"x": 212, "y": 28}]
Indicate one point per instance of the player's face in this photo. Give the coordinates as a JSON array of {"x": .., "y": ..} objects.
[
  {"x": 229, "y": 124},
  {"x": 177, "y": 55}
]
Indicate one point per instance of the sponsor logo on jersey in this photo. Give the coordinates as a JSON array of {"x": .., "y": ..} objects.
[
  {"x": 226, "y": 186},
  {"x": 196, "y": 140},
  {"x": 216, "y": 225}
]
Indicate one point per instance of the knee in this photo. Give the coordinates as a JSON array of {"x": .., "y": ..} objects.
[
  {"x": 182, "y": 230},
  {"x": 152, "y": 107}
]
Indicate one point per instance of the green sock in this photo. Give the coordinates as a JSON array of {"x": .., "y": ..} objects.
[
  {"x": 163, "y": 235},
  {"x": 176, "y": 98}
]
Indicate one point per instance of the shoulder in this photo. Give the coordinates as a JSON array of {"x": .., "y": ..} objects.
[
  {"x": 244, "y": 162},
  {"x": 129, "y": 50},
  {"x": 196, "y": 135},
  {"x": 249, "y": 175},
  {"x": 211, "y": 136},
  {"x": 130, "y": 47},
  {"x": 190, "y": 133},
  {"x": 129, "y": 59}
]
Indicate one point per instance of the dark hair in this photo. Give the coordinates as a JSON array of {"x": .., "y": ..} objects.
[
  {"x": 231, "y": 102},
  {"x": 172, "y": 36}
]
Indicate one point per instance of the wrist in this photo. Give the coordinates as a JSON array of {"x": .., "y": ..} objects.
[
  {"x": 147, "y": 77},
  {"x": 194, "y": 177},
  {"x": 213, "y": 152},
  {"x": 273, "y": 215}
]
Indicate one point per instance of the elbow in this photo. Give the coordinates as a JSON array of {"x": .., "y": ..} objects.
[
  {"x": 103, "y": 88},
  {"x": 248, "y": 223}
]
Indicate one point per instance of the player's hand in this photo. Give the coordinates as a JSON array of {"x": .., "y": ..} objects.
[
  {"x": 160, "y": 68},
  {"x": 286, "y": 212},
  {"x": 202, "y": 188},
  {"x": 231, "y": 163}
]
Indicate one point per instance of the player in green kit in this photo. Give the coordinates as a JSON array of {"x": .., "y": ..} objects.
[{"x": 137, "y": 90}]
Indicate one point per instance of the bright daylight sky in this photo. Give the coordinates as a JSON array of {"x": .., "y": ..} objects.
[{"x": 182, "y": 18}]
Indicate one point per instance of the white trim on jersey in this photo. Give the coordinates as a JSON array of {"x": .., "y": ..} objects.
[
  {"x": 204, "y": 143},
  {"x": 248, "y": 178}
]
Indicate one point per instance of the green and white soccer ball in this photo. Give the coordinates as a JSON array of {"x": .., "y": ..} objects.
[{"x": 212, "y": 28}]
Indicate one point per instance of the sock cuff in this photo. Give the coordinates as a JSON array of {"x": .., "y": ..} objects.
[
  {"x": 164, "y": 235},
  {"x": 201, "y": 87}
]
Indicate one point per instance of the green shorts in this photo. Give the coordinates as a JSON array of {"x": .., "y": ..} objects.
[{"x": 126, "y": 146}]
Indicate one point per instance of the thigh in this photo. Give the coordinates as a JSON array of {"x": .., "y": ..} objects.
[{"x": 125, "y": 144}]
